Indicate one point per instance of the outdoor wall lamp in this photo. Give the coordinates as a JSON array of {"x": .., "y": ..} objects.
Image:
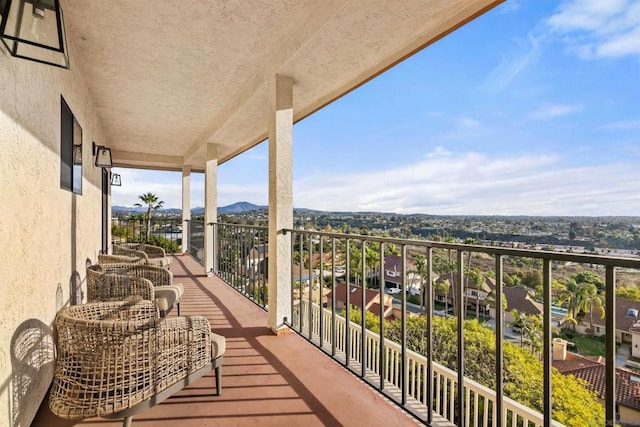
[
  {"x": 34, "y": 30},
  {"x": 115, "y": 180},
  {"x": 103, "y": 156}
]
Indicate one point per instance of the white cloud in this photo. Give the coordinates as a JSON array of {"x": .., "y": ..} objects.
[
  {"x": 473, "y": 183},
  {"x": 597, "y": 28},
  {"x": 512, "y": 65},
  {"x": 552, "y": 111},
  {"x": 621, "y": 125},
  {"x": 441, "y": 182}
]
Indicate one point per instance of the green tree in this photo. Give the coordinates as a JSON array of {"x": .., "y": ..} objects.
[
  {"x": 476, "y": 277},
  {"x": 152, "y": 203},
  {"x": 421, "y": 270},
  {"x": 442, "y": 287}
]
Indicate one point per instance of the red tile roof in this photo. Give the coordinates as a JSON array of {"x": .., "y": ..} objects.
[{"x": 592, "y": 370}]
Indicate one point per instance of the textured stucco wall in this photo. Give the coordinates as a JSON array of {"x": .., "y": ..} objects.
[{"x": 44, "y": 233}]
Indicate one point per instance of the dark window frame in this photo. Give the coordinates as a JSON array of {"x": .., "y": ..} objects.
[{"x": 70, "y": 141}]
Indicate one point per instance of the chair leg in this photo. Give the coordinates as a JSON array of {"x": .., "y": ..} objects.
[
  {"x": 218, "y": 380},
  {"x": 127, "y": 421},
  {"x": 178, "y": 304}
]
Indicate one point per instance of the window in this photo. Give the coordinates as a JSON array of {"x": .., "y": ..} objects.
[{"x": 70, "y": 150}]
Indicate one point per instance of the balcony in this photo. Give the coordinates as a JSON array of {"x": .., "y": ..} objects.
[
  {"x": 389, "y": 366},
  {"x": 267, "y": 380}
]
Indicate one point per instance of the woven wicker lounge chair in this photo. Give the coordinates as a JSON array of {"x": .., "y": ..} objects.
[
  {"x": 113, "y": 286},
  {"x": 166, "y": 292},
  {"x": 119, "y": 259},
  {"x": 117, "y": 359},
  {"x": 152, "y": 255}
]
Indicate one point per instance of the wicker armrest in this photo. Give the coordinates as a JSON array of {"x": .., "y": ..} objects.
[
  {"x": 119, "y": 286},
  {"x": 153, "y": 251},
  {"x": 123, "y": 250},
  {"x": 157, "y": 275},
  {"x": 119, "y": 259}
]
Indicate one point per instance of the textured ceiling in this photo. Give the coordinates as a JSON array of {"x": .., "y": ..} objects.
[{"x": 170, "y": 76}]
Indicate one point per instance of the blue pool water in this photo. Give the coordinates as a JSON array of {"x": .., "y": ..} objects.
[{"x": 558, "y": 310}]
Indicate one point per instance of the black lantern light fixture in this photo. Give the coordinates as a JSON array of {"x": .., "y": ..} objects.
[
  {"x": 103, "y": 156},
  {"x": 115, "y": 180},
  {"x": 34, "y": 30}
]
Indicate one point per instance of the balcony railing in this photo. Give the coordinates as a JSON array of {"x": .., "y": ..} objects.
[
  {"x": 241, "y": 259},
  {"x": 320, "y": 259},
  {"x": 139, "y": 230},
  {"x": 196, "y": 230}
]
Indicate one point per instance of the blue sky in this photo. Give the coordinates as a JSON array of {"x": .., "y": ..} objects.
[{"x": 531, "y": 109}]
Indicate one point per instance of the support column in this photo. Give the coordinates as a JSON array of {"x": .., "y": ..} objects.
[
  {"x": 186, "y": 207},
  {"x": 280, "y": 204},
  {"x": 210, "y": 205}
]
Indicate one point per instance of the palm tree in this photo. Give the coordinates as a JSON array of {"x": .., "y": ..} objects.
[
  {"x": 152, "y": 203},
  {"x": 442, "y": 287},
  {"x": 421, "y": 270},
  {"x": 519, "y": 321}
]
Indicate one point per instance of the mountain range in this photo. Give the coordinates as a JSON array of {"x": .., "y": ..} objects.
[{"x": 235, "y": 208}]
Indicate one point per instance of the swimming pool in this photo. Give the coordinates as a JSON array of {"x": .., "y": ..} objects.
[{"x": 558, "y": 310}]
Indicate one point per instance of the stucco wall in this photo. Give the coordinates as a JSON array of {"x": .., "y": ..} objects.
[{"x": 45, "y": 235}]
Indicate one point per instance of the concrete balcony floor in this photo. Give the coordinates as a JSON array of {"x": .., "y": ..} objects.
[{"x": 266, "y": 380}]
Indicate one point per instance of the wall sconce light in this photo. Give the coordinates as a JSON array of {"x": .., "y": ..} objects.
[
  {"x": 115, "y": 180},
  {"x": 77, "y": 154},
  {"x": 103, "y": 156},
  {"x": 34, "y": 30}
]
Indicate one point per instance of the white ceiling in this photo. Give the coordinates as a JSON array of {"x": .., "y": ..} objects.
[{"x": 170, "y": 76}]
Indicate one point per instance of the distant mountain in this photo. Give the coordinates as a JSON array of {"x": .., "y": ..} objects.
[{"x": 240, "y": 207}]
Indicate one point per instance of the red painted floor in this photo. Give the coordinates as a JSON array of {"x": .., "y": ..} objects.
[{"x": 266, "y": 380}]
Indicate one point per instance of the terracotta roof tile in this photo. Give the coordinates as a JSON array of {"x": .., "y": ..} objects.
[{"x": 593, "y": 372}]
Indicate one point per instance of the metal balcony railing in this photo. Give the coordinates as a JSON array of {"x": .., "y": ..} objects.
[
  {"x": 196, "y": 231},
  {"x": 320, "y": 261},
  {"x": 241, "y": 253},
  {"x": 166, "y": 231}
]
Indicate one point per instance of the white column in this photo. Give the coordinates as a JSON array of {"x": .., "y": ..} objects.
[
  {"x": 210, "y": 204},
  {"x": 186, "y": 206},
  {"x": 280, "y": 204}
]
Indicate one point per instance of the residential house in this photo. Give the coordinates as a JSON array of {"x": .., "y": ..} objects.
[
  {"x": 592, "y": 371},
  {"x": 474, "y": 296},
  {"x": 372, "y": 300},
  {"x": 627, "y": 315},
  {"x": 519, "y": 298}
]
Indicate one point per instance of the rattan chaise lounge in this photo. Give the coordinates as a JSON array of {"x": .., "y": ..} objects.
[{"x": 117, "y": 359}]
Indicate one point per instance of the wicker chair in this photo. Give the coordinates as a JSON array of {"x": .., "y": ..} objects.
[
  {"x": 152, "y": 255},
  {"x": 166, "y": 293},
  {"x": 119, "y": 259},
  {"x": 114, "y": 286},
  {"x": 117, "y": 359}
]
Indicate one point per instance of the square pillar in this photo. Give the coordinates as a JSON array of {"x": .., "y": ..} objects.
[
  {"x": 210, "y": 205},
  {"x": 186, "y": 206},
  {"x": 280, "y": 204}
]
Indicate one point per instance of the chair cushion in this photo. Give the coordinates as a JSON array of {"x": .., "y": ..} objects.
[
  {"x": 167, "y": 296},
  {"x": 159, "y": 262},
  {"x": 218, "y": 345}
]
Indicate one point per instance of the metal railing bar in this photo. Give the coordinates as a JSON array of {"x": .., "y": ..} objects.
[
  {"x": 460, "y": 351},
  {"x": 610, "y": 344},
  {"x": 499, "y": 343},
  {"x": 547, "y": 349}
]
